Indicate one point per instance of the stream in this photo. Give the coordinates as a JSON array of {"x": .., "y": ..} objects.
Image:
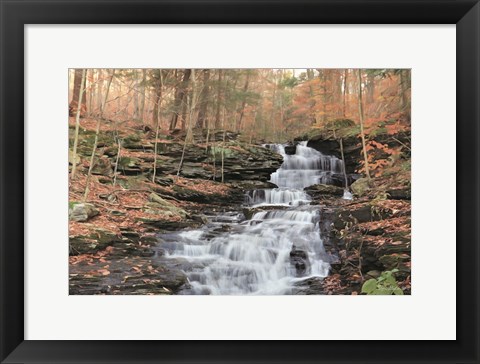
[{"x": 272, "y": 252}]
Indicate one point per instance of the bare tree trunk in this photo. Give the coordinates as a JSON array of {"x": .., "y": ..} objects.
[
  {"x": 78, "y": 83},
  {"x": 272, "y": 114},
  {"x": 244, "y": 102},
  {"x": 223, "y": 147},
  {"x": 219, "y": 99},
  {"x": 311, "y": 102},
  {"x": 158, "y": 97},
  {"x": 188, "y": 135},
  {"x": 323, "y": 77},
  {"x": 178, "y": 103},
  {"x": 141, "y": 112},
  {"x": 90, "y": 93},
  {"x": 343, "y": 159},
  {"x": 136, "y": 96},
  {"x": 97, "y": 131},
  {"x": 99, "y": 89},
  {"x": 77, "y": 125},
  {"x": 345, "y": 75},
  {"x": 202, "y": 113},
  {"x": 157, "y": 130},
  {"x": 362, "y": 132},
  {"x": 370, "y": 88}
]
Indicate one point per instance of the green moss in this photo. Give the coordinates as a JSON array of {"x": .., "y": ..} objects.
[
  {"x": 125, "y": 162},
  {"x": 71, "y": 204},
  {"x": 227, "y": 153}
]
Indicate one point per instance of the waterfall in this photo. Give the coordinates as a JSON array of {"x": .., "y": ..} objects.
[
  {"x": 304, "y": 168},
  {"x": 268, "y": 254}
]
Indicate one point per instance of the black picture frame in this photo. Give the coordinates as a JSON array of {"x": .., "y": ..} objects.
[{"x": 15, "y": 14}]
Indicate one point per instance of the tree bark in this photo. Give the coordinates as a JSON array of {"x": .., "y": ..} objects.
[
  {"x": 178, "y": 104},
  {"x": 361, "y": 117},
  {"x": 158, "y": 96},
  {"x": 202, "y": 113},
  {"x": 157, "y": 130},
  {"x": 244, "y": 102},
  {"x": 99, "y": 90},
  {"x": 370, "y": 88},
  {"x": 141, "y": 112},
  {"x": 188, "y": 135},
  {"x": 136, "y": 96},
  {"x": 77, "y": 124},
  {"x": 345, "y": 75},
  {"x": 78, "y": 83},
  {"x": 219, "y": 99},
  {"x": 95, "y": 143}
]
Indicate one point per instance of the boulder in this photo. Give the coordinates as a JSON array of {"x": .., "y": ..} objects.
[
  {"x": 90, "y": 244},
  {"x": 360, "y": 187},
  {"x": 102, "y": 166},
  {"x": 159, "y": 206},
  {"x": 290, "y": 149},
  {"x": 299, "y": 260},
  {"x": 82, "y": 211},
  {"x": 403, "y": 193}
]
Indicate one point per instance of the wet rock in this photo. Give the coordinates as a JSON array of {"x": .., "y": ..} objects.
[
  {"x": 319, "y": 190},
  {"x": 252, "y": 185},
  {"x": 250, "y": 212},
  {"x": 291, "y": 149},
  {"x": 310, "y": 286},
  {"x": 299, "y": 260},
  {"x": 167, "y": 225},
  {"x": 82, "y": 211}
]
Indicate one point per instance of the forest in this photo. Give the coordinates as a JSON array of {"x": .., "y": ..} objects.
[{"x": 239, "y": 181}]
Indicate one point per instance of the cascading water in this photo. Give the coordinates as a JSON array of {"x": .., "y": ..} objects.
[
  {"x": 267, "y": 254},
  {"x": 304, "y": 168}
]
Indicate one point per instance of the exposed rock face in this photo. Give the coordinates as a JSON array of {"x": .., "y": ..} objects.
[
  {"x": 326, "y": 142},
  {"x": 202, "y": 159},
  {"x": 82, "y": 211},
  {"x": 90, "y": 244},
  {"x": 320, "y": 190}
]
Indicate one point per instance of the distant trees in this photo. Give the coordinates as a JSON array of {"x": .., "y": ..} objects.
[{"x": 264, "y": 104}]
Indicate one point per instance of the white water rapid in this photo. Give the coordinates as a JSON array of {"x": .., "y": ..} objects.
[{"x": 274, "y": 250}]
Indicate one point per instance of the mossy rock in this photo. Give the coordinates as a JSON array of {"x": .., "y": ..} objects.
[
  {"x": 128, "y": 162},
  {"x": 90, "y": 244},
  {"x": 323, "y": 189},
  {"x": 159, "y": 206},
  {"x": 360, "y": 187},
  {"x": 393, "y": 261},
  {"x": 339, "y": 123},
  {"x": 82, "y": 211},
  {"x": 227, "y": 153},
  {"x": 132, "y": 182}
]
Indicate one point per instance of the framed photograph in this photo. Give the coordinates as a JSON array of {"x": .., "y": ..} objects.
[{"x": 239, "y": 181}]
